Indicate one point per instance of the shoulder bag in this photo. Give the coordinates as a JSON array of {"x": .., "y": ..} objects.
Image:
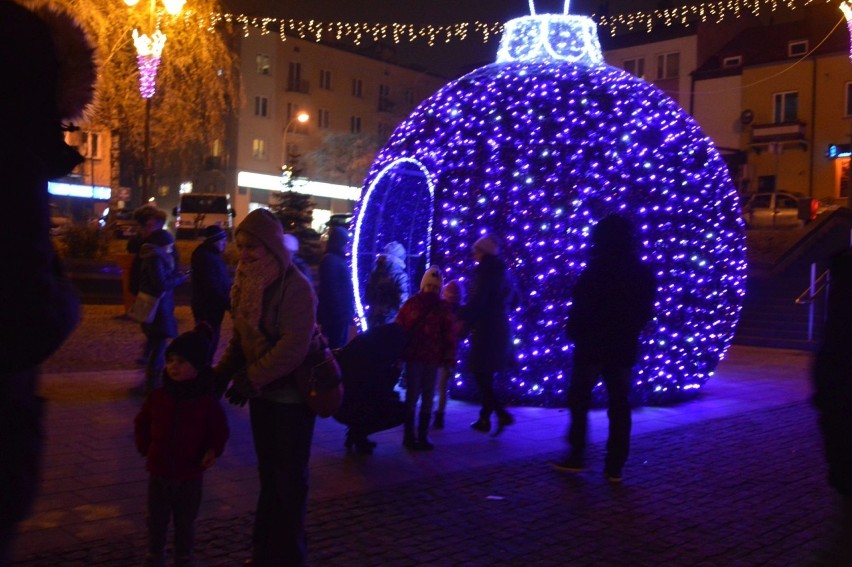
[
  {"x": 319, "y": 378},
  {"x": 144, "y": 308}
]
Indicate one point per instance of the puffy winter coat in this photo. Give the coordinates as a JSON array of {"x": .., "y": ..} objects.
[
  {"x": 158, "y": 277},
  {"x": 431, "y": 340},
  {"x": 178, "y": 424},
  {"x": 387, "y": 289},
  {"x": 211, "y": 282}
]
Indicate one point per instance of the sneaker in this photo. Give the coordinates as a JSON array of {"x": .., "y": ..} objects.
[
  {"x": 482, "y": 425},
  {"x": 571, "y": 464},
  {"x": 613, "y": 476},
  {"x": 504, "y": 420}
]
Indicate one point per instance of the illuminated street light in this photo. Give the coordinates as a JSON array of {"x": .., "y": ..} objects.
[
  {"x": 286, "y": 170},
  {"x": 149, "y": 50}
]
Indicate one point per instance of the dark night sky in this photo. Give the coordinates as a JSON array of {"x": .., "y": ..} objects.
[{"x": 449, "y": 59}]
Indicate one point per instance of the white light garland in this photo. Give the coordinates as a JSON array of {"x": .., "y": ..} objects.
[{"x": 398, "y": 32}]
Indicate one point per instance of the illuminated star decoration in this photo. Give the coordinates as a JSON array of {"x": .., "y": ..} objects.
[
  {"x": 148, "y": 53},
  {"x": 536, "y": 148},
  {"x": 846, "y": 8}
]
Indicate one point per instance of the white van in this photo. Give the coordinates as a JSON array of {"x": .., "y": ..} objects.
[{"x": 197, "y": 211}]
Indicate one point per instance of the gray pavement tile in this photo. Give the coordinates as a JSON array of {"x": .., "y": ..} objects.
[{"x": 744, "y": 490}]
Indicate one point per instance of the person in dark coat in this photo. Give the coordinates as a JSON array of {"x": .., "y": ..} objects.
[
  {"x": 832, "y": 380},
  {"x": 158, "y": 276},
  {"x": 370, "y": 364},
  {"x": 486, "y": 316},
  {"x": 40, "y": 307},
  {"x": 211, "y": 283},
  {"x": 388, "y": 287},
  {"x": 611, "y": 303},
  {"x": 336, "y": 307},
  {"x": 181, "y": 430}
]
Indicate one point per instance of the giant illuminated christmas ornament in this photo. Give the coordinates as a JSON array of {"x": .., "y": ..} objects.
[{"x": 536, "y": 148}]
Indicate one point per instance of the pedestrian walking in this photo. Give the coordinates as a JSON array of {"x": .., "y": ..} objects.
[
  {"x": 486, "y": 317},
  {"x": 274, "y": 313},
  {"x": 211, "y": 283},
  {"x": 611, "y": 303},
  {"x": 430, "y": 325},
  {"x": 40, "y": 310},
  {"x": 388, "y": 287},
  {"x": 452, "y": 293},
  {"x": 149, "y": 219},
  {"x": 158, "y": 277},
  {"x": 832, "y": 381},
  {"x": 336, "y": 308},
  {"x": 181, "y": 430}
]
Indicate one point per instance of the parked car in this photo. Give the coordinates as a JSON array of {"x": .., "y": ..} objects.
[{"x": 779, "y": 210}]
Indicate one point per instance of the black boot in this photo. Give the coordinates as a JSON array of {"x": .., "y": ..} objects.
[
  {"x": 423, "y": 441},
  {"x": 408, "y": 439},
  {"x": 438, "y": 422}
]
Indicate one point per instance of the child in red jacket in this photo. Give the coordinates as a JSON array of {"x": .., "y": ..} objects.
[
  {"x": 181, "y": 429},
  {"x": 430, "y": 325}
]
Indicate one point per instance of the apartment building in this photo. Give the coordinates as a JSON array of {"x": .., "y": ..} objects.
[
  {"x": 353, "y": 102},
  {"x": 790, "y": 86}
]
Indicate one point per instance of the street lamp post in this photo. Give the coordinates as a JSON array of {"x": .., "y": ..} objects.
[
  {"x": 287, "y": 171},
  {"x": 149, "y": 50}
]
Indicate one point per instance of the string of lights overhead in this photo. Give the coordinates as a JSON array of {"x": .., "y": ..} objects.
[{"x": 398, "y": 32}]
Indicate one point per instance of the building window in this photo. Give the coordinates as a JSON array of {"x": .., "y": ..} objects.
[
  {"x": 668, "y": 66},
  {"x": 262, "y": 62},
  {"x": 635, "y": 67},
  {"x": 355, "y": 124},
  {"x": 785, "y": 107},
  {"x": 735, "y": 61},
  {"x": 848, "y": 105},
  {"x": 322, "y": 119},
  {"x": 325, "y": 79},
  {"x": 261, "y": 106},
  {"x": 357, "y": 87},
  {"x": 294, "y": 79},
  {"x": 384, "y": 130},
  {"x": 90, "y": 145},
  {"x": 797, "y": 48},
  {"x": 258, "y": 148},
  {"x": 409, "y": 98}
]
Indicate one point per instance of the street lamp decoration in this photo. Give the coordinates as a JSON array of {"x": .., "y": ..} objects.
[
  {"x": 148, "y": 53},
  {"x": 149, "y": 50},
  {"x": 537, "y": 148}
]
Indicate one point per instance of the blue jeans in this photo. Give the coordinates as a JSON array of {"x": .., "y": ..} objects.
[
  {"x": 419, "y": 384},
  {"x": 617, "y": 382},
  {"x": 282, "y": 441}
]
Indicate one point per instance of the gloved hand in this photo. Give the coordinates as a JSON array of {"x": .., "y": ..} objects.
[{"x": 241, "y": 391}]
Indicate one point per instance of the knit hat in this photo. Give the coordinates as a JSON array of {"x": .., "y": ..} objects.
[
  {"x": 193, "y": 346},
  {"x": 214, "y": 233},
  {"x": 432, "y": 278},
  {"x": 488, "y": 244},
  {"x": 291, "y": 243},
  {"x": 613, "y": 233},
  {"x": 395, "y": 249},
  {"x": 160, "y": 237},
  {"x": 453, "y": 291},
  {"x": 266, "y": 227}
]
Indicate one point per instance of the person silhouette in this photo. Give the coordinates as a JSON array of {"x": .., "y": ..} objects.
[{"x": 611, "y": 303}]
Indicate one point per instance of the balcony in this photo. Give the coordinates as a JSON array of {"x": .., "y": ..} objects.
[
  {"x": 298, "y": 86},
  {"x": 786, "y": 133}
]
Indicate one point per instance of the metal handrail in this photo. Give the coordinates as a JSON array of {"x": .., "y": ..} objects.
[
  {"x": 807, "y": 297},
  {"x": 810, "y": 294}
]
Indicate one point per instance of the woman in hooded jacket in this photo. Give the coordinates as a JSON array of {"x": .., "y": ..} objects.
[{"x": 273, "y": 308}]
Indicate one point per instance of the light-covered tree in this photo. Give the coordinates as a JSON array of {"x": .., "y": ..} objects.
[{"x": 197, "y": 82}]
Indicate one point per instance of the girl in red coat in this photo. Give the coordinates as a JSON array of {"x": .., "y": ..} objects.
[
  {"x": 430, "y": 325},
  {"x": 181, "y": 429}
]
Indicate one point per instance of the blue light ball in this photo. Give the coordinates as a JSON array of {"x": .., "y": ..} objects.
[{"x": 537, "y": 152}]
